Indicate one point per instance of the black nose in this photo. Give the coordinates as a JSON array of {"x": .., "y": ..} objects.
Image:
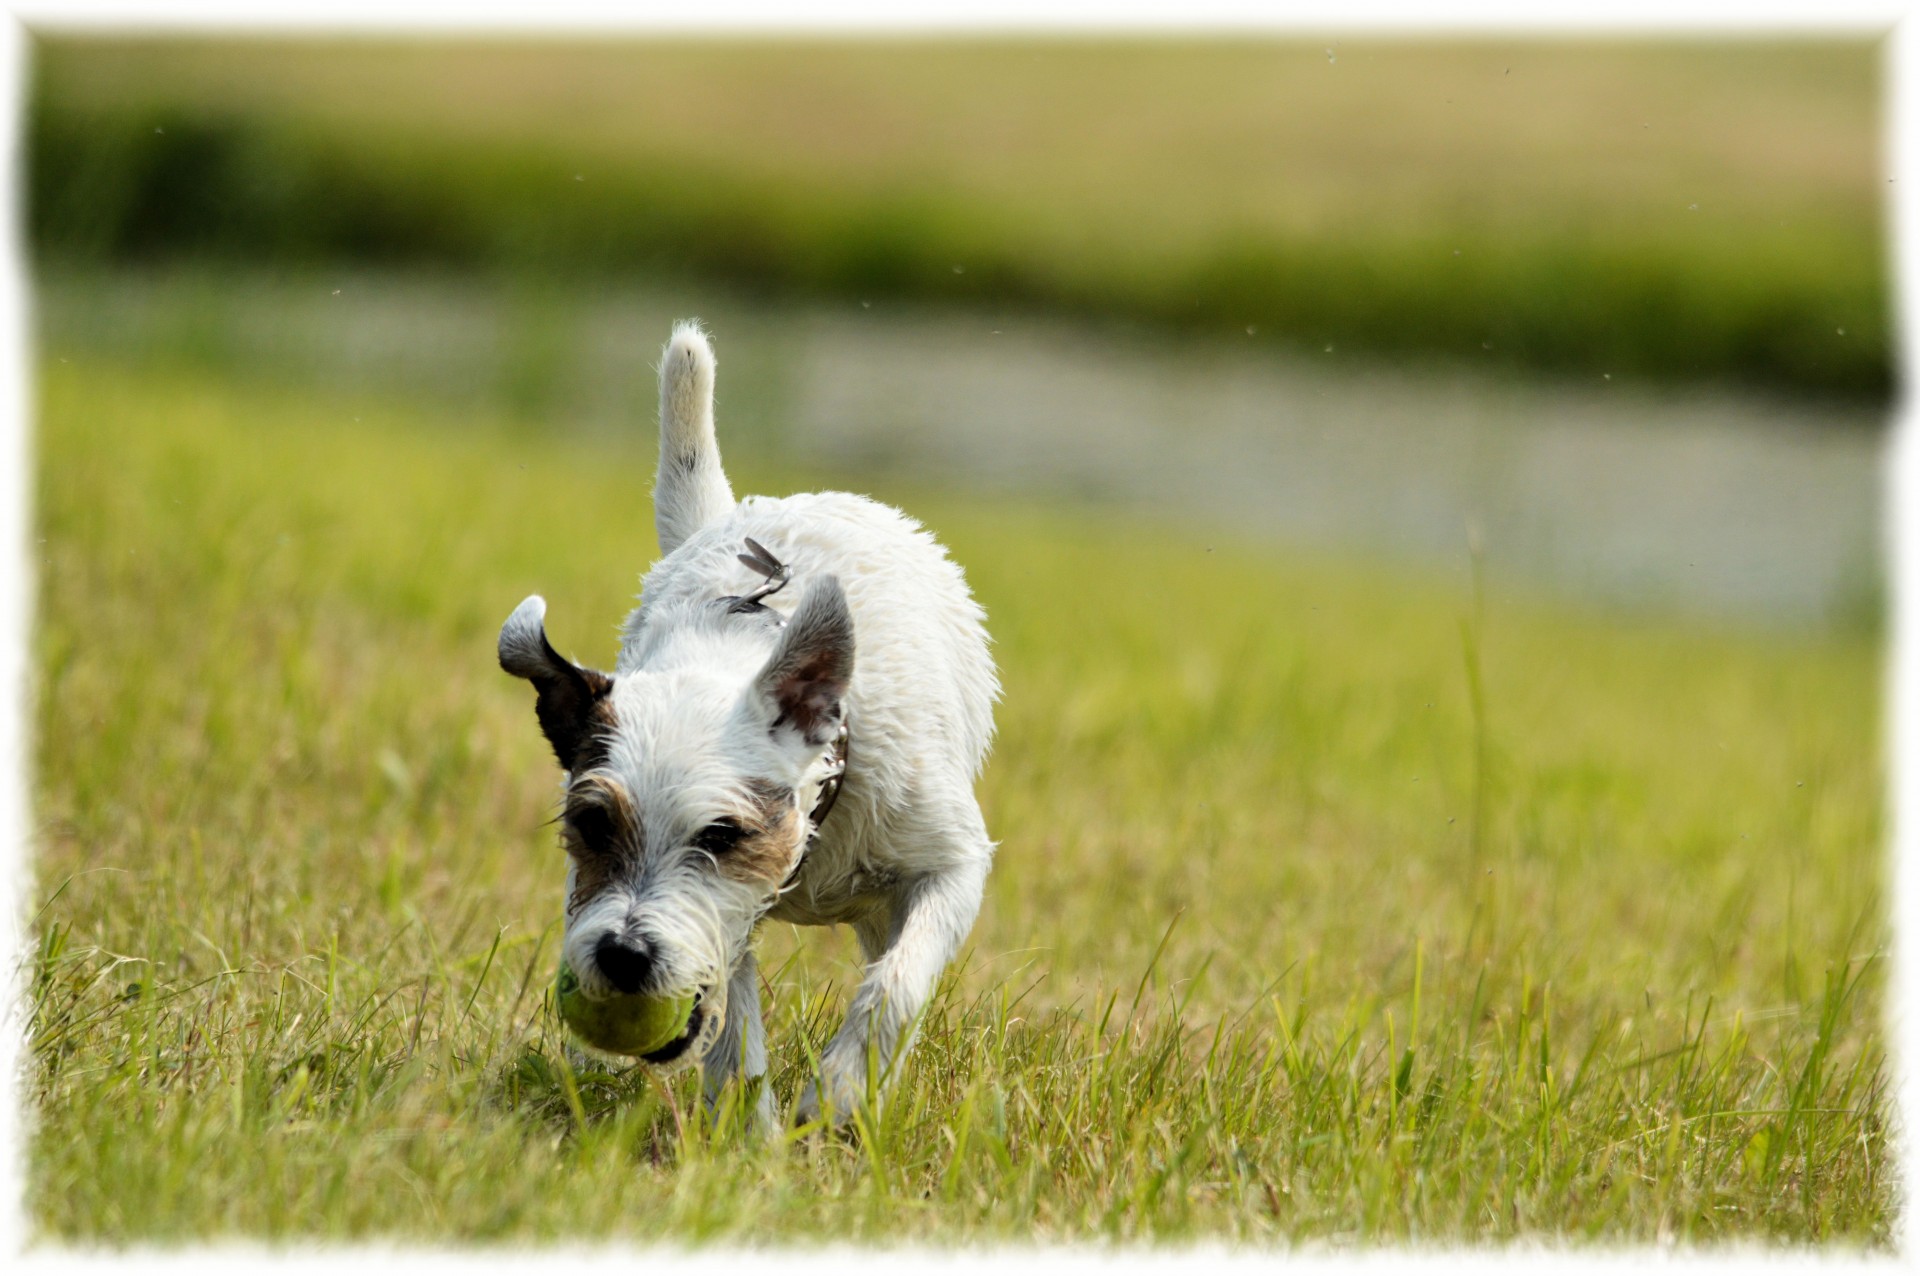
[{"x": 625, "y": 963}]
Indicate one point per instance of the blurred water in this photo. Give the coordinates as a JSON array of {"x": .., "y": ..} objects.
[{"x": 1706, "y": 502}]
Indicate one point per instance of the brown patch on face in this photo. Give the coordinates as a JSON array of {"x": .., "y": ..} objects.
[
  {"x": 602, "y": 832},
  {"x": 771, "y": 839}
]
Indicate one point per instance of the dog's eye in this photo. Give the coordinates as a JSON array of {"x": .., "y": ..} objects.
[
  {"x": 719, "y": 837},
  {"x": 592, "y": 828}
]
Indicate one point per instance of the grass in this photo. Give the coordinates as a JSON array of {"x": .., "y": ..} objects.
[
  {"x": 1677, "y": 209},
  {"x": 1331, "y": 903}
]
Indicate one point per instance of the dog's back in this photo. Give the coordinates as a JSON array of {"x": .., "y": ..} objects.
[{"x": 922, "y": 666}]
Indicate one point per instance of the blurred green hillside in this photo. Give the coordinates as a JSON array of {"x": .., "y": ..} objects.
[{"x": 1677, "y": 210}]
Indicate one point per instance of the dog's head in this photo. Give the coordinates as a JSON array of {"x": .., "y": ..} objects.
[{"x": 689, "y": 790}]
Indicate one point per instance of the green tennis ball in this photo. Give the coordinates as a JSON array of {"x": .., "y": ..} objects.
[{"x": 625, "y": 1023}]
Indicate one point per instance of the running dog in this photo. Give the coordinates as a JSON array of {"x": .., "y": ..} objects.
[{"x": 802, "y": 702}]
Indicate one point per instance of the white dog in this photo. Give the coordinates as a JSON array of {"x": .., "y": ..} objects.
[{"x": 802, "y": 702}]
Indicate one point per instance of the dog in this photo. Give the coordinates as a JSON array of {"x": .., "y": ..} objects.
[{"x": 801, "y": 705}]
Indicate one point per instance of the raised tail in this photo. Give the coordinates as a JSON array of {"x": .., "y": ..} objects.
[{"x": 689, "y": 489}]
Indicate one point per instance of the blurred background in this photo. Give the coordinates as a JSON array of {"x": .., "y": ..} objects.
[{"x": 1616, "y": 313}]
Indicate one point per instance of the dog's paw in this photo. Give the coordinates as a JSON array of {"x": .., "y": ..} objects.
[
  {"x": 834, "y": 1096},
  {"x": 750, "y": 1104},
  {"x": 807, "y": 1111}
]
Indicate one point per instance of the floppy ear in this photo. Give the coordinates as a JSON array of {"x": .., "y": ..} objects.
[
  {"x": 805, "y": 680},
  {"x": 571, "y": 707}
]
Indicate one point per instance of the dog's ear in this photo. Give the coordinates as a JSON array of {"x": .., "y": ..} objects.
[
  {"x": 572, "y": 704},
  {"x": 805, "y": 681}
]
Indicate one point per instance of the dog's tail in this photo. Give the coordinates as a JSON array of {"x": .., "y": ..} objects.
[{"x": 689, "y": 489}]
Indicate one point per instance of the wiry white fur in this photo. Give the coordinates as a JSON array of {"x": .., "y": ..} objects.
[
  {"x": 689, "y": 488},
  {"x": 904, "y": 855}
]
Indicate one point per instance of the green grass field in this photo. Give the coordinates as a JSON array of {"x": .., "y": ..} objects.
[
  {"x": 1676, "y": 209},
  {"x": 1330, "y": 902}
]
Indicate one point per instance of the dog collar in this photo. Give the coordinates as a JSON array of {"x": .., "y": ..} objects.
[
  {"x": 830, "y": 787},
  {"x": 761, "y": 560},
  {"x": 829, "y": 794}
]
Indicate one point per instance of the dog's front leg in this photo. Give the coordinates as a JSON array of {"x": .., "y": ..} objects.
[
  {"x": 906, "y": 952},
  {"x": 739, "y": 1053}
]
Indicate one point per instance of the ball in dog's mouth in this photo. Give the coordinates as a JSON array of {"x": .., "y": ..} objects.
[
  {"x": 696, "y": 1020},
  {"x": 654, "y": 1029}
]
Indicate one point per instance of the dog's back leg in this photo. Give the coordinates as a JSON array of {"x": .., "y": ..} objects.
[{"x": 689, "y": 489}]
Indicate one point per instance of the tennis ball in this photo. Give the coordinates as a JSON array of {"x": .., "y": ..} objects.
[{"x": 625, "y": 1023}]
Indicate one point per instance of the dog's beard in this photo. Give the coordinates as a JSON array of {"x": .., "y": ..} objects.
[{"x": 695, "y": 939}]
